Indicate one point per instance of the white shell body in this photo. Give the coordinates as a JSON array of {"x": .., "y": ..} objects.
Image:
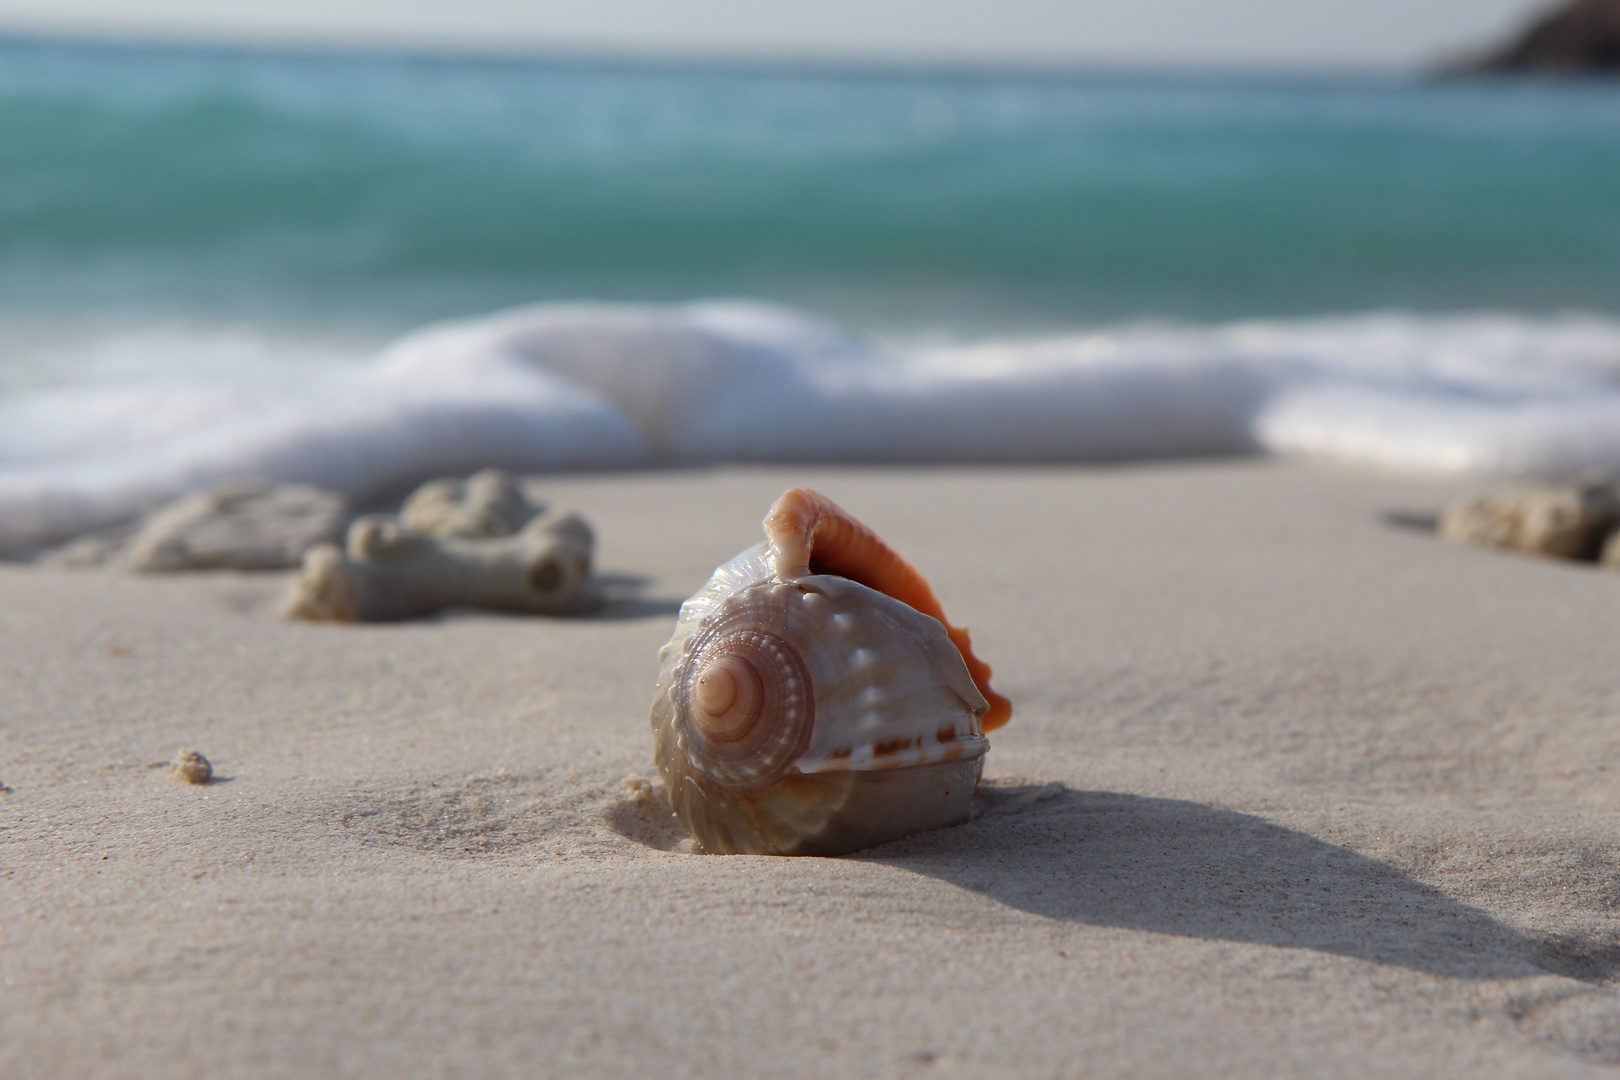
[{"x": 869, "y": 727}]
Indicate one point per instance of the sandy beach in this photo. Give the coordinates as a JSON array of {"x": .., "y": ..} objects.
[{"x": 1292, "y": 788}]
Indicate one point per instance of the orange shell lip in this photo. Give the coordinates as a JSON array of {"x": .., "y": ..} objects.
[{"x": 810, "y": 534}]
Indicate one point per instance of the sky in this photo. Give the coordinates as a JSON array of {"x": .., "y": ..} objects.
[{"x": 1264, "y": 34}]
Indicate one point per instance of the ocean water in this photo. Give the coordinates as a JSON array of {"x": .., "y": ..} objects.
[{"x": 364, "y": 270}]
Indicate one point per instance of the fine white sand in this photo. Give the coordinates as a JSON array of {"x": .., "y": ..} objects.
[{"x": 1291, "y": 789}]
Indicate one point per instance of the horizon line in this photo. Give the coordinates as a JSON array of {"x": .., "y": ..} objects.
[{"x": 719, "y": 61}]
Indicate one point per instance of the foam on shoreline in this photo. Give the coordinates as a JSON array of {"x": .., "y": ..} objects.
[{"x": 584, "y": 386}]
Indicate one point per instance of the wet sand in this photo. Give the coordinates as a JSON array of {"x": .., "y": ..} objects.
[{"x": 1291, "y": 788}]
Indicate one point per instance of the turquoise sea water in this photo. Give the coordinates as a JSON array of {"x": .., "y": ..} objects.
[{"x": 402, "y": 189}]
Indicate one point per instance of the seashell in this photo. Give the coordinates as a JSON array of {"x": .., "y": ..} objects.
[{"x": 814, "y": 701}]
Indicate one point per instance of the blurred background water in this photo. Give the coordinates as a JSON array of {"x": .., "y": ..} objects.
[
  {"x": 351, "y": 189},
  {"x": 204, "y": 257}
]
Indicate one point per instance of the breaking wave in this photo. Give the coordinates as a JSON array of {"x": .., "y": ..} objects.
[{"x": 573, "y": 387}]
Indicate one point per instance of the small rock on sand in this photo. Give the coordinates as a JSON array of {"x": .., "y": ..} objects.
[
  {"x": 1568, "y": 522},
  {"x": 190, "y": 767}
]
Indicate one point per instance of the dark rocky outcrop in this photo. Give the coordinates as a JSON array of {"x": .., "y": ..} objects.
[{"x": 1580, "y": 37}]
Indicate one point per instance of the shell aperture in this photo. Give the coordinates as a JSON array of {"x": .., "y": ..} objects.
[
  {"x": 811, "y": 534},
  {"x": 801, "y": 709}
]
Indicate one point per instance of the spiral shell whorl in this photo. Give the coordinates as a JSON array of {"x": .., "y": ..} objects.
[{"x": 744, "y": 705}]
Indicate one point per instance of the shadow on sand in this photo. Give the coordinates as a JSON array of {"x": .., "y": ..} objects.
[
  {"x": 1412, "y": 520},
  {"x": 614, "y": 597},
  {"x": 1175, "y": 867}
]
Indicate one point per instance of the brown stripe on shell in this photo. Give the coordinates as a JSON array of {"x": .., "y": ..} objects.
[{"x": 891, "y": 747}]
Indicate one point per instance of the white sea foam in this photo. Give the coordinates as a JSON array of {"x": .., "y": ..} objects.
[{"x": 591, "y": 386}]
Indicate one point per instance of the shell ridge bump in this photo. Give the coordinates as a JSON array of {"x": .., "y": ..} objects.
[{"x": 928, "y": 711}]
